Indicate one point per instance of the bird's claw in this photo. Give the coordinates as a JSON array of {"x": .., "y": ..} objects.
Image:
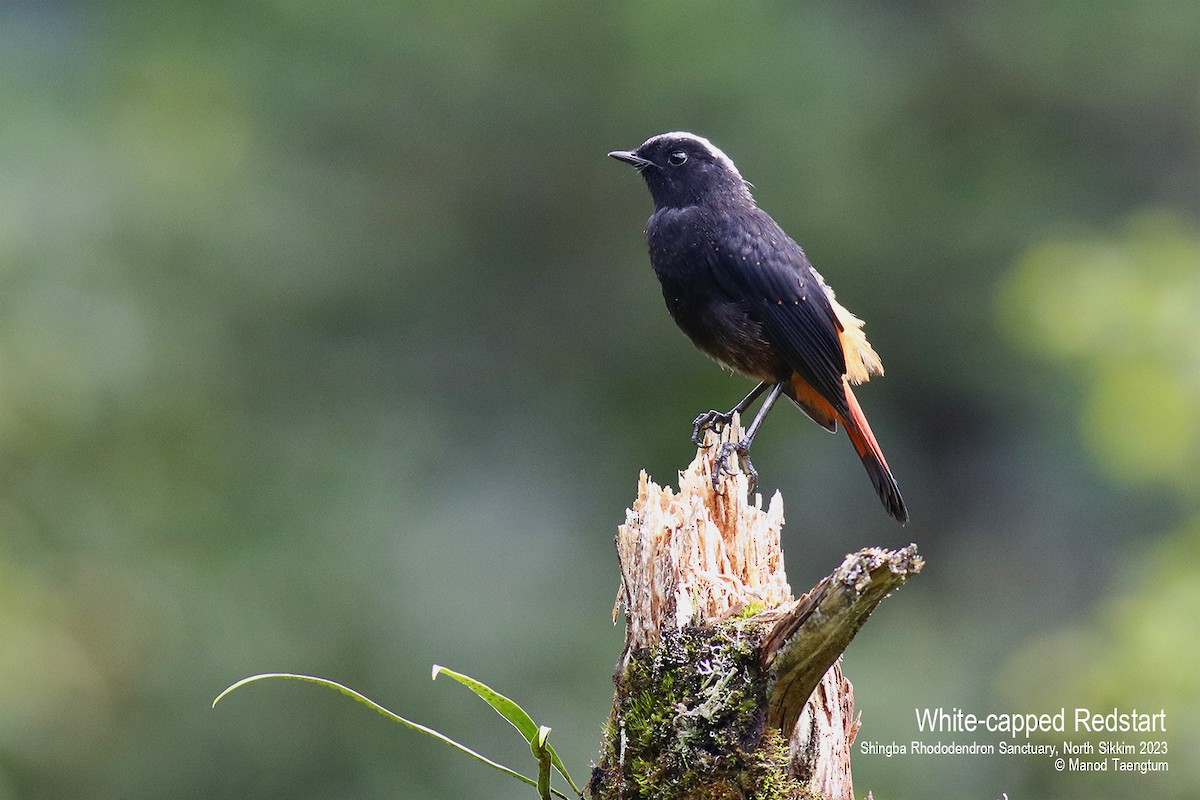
[
  {"x": 709, "y": 421},
  {"x": 715, "y": 421},
  {"x": 721, "y": 465}
]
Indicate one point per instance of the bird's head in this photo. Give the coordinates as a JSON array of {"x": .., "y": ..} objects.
[{"x": 683, "y": 169}]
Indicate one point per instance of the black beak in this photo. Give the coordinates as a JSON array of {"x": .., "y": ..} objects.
[{"x": 630, "y": 157}]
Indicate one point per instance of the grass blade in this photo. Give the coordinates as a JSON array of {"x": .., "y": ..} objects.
[
  {"x": 371, "y": 704},
  {"x": 512, "y": 712},
  {"x": 541, "y": 751}
]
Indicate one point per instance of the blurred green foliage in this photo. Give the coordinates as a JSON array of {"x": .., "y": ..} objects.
[
  {"x": 327, "y": 333},
  {"x": 1125, "y": 308}
]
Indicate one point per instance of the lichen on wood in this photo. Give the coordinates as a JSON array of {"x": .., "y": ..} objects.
[
  {"x": 816, "y": 630},
  {"x": 691, "y": 722},
  {"x": 713, "y": 640}
]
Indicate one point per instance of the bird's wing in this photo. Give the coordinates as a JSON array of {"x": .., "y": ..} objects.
[{"x": 787, "y": 297}]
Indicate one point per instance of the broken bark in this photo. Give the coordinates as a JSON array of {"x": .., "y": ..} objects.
[{"x": 728, "y": 687}]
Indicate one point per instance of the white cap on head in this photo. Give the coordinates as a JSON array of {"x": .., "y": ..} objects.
[{"x": 717, "y": 152}]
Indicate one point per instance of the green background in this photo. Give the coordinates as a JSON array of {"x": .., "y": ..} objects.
[{"x": 329, "y": 344}]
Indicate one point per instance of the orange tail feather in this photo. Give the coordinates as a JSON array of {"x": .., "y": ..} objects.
[{"x": 872, "y": 457}]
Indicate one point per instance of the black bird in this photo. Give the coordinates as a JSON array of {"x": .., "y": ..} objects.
[{"x": 744, "y": 292}]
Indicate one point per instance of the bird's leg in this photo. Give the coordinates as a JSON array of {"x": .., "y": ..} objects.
[
  {"x": 710, "y": 420},
  {"x": 742, "y": 448}
]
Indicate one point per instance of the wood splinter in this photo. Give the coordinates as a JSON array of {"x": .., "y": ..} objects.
[{"x": 728, "y": 687}]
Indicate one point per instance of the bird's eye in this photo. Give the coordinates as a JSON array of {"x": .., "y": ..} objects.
[{"x": 678, "y": 158}]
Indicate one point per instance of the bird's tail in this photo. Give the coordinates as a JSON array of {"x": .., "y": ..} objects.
[{"x": 872, "y": 457}]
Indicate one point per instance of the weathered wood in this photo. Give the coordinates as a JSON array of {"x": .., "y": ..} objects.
[
  {"x": 716, "y": 695},
  {"x": 809, "y": 640}
]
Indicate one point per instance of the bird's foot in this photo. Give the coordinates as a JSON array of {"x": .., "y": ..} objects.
[
  {"x": 721, "y": 464},
  {"x": 709, "y": 421}
]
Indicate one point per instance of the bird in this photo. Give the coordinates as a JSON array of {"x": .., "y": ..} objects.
[{"x": 745, "y": 294}]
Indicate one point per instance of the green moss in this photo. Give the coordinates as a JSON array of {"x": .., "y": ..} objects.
[
  {"x": 689, "y": 723},
  {"x": 769, "y": 771},
  {"x": 751, "y": 609}
]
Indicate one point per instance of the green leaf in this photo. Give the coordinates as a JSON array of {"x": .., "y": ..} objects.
[
  {"x": 369, "y": 703},
  {"x": 512, "y": 712}
]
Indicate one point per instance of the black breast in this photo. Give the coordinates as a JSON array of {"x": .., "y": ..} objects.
[{"x": 690, "y": 250}]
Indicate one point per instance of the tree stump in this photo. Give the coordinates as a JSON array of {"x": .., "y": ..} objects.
[{"x": 728, "y": 687}]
